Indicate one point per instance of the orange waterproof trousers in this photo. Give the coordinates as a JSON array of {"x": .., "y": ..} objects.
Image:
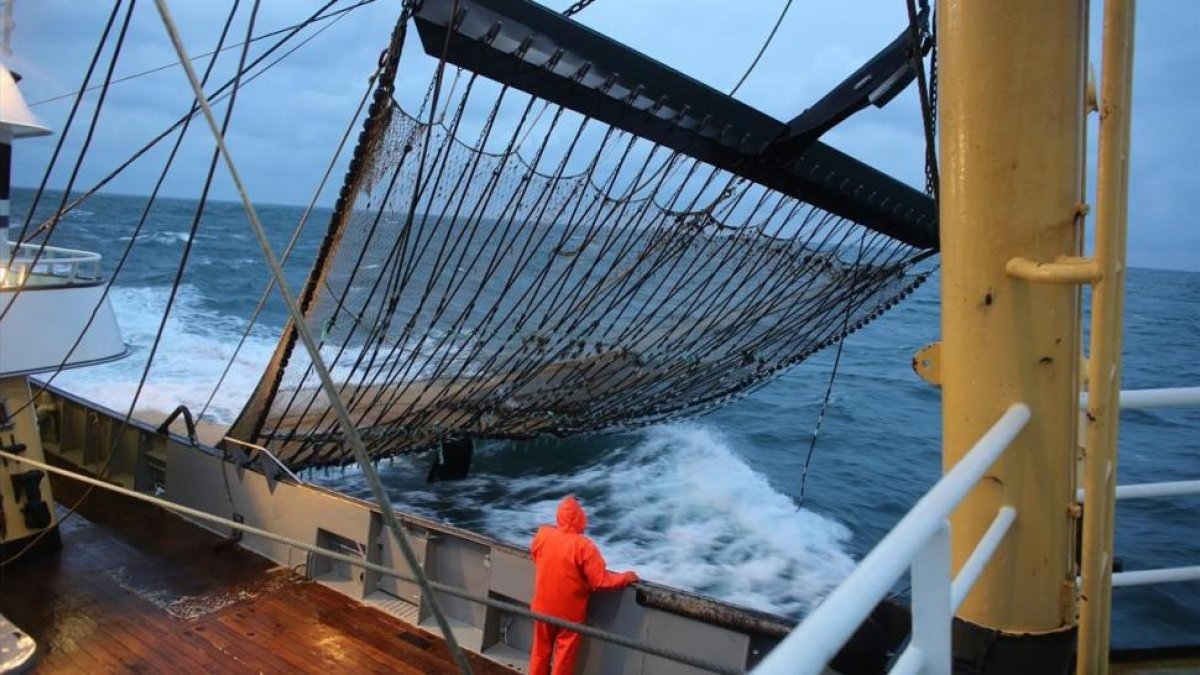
[{"x": 564, "y": 643}]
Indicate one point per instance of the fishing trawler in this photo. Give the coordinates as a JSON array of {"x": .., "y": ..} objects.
[{"x": 674, "y": 249}]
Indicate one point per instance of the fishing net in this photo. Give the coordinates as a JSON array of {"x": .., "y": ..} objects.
[{"x": 514, "y": 268}]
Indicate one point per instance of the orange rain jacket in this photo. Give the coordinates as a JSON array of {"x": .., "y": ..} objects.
[{"x": 569, "y": 566}]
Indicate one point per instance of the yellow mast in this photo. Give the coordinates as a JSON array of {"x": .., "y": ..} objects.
[{"x": 1012, "y": 151}]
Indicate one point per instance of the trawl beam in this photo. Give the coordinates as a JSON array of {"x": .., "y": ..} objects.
[{"x": 532, "y": 48}]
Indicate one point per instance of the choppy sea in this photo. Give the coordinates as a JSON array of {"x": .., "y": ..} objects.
[{"x": 713, "y": 504}]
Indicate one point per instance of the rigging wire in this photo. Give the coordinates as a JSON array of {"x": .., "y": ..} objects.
[
  {"x": 175, "y": 64},
  {"x": 929, "y": 122},
  {"x": 330, "y": 388},
  {"x": 287, "y": 250},
  {"x": 928, "y": 98},
  {"x": 62, "y": 137},
  {"x": 787, "y": 5},
  {"x": 762, "y": 50},
  {"x": 837, "y": 360},
  {"x": 218, "y": 95},
  {"x": 158, "y": 336},
  {"x": 135, "y": 234},
  {"x": 95, "y": 59},
  {"x": 182, "y": 125}
]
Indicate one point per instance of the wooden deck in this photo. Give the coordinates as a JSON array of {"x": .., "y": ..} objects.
[{"x": 136, "y": 589}]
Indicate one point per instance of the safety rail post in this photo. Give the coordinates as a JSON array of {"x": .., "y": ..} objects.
[
  {"x": 931, "y": 612},
  {"x": 1012, "y": 85},
  {"x": 1104, "y": 358},
  {"x": 813, "y": 643}
]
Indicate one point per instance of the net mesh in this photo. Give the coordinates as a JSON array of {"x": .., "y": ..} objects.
[{"x": 552, "y": 275}]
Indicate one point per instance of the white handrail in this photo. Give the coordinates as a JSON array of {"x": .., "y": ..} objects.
[
  {"x": 1166, "y": 575},
  {"x": 1173, "y": 488},
  {"x": 52, "y": 261},
  {"x": 813, "y": 643},
  {"x": 1171, "y": 397},
  {"x": 1142, "y": 399},
  {"x": 984, "y": 550},
  {"x": 1146, "y": 399}
]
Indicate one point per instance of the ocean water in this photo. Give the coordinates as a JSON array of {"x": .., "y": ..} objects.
[{"x": 714, "y": 504}]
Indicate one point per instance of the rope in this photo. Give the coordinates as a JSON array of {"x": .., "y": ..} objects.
[
  {"x": 812, "y": 444},
  {"x": 310, "y": 344},
  {"x": 837, "y": 359},
  {"x": 455, "y": 591}
]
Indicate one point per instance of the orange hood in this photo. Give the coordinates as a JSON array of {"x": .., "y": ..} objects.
[{"x": 571, "y": 517}]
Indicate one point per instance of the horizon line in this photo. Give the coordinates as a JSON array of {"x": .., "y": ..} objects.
[{"x": 319, "y": 205}]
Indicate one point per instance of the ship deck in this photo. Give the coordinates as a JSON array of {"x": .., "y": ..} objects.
[{"x": 137, "y": 589}]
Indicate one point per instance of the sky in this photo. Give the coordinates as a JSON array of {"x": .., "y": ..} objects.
[{"x": 287, "y": 124}]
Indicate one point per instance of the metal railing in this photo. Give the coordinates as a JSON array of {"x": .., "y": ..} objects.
[
  {"x": 1145, "y": 399},
  {"x": 920, "y": 542},
  {"x": 62, "y": 265},
  {"x": 1175, "y": 488},
  {"x": 1174, "y": 397}
]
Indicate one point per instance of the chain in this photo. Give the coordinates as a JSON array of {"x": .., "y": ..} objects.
[
  {"x": 927, "y": 92},
  {"x": 578, "y": 7},
  {"x": 933, "y": 73},
  {"x": 931, "y": 168}
]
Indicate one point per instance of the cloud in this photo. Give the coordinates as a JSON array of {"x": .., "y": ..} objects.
[{"x": 288, "y": 122}]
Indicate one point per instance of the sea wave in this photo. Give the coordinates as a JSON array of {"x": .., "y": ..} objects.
[
  {"x": 678, "y": 504},
  {"x": 197, "y": 343},
  {"x": 682, "y": 506}
]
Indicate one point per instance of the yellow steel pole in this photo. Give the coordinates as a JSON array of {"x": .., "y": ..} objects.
[
  {"x": 1104, "y": 363},
  {"x": 1012, "y": 128}
]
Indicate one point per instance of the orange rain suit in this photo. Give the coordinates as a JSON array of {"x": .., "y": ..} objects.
[{"x": 569, "y": 568}]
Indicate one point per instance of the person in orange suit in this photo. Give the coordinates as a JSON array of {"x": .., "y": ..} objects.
[{"x": 569, "y": 568}]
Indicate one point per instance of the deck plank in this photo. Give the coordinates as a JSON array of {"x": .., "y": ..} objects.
[{"x": 136, "y": 589}]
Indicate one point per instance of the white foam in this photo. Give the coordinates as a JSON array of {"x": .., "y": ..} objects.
[
  {"x": 196, "y": 345},
  {"x": 681, "y": 507}
]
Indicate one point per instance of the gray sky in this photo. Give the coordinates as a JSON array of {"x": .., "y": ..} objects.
[{"x": 287, "y": 124}]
